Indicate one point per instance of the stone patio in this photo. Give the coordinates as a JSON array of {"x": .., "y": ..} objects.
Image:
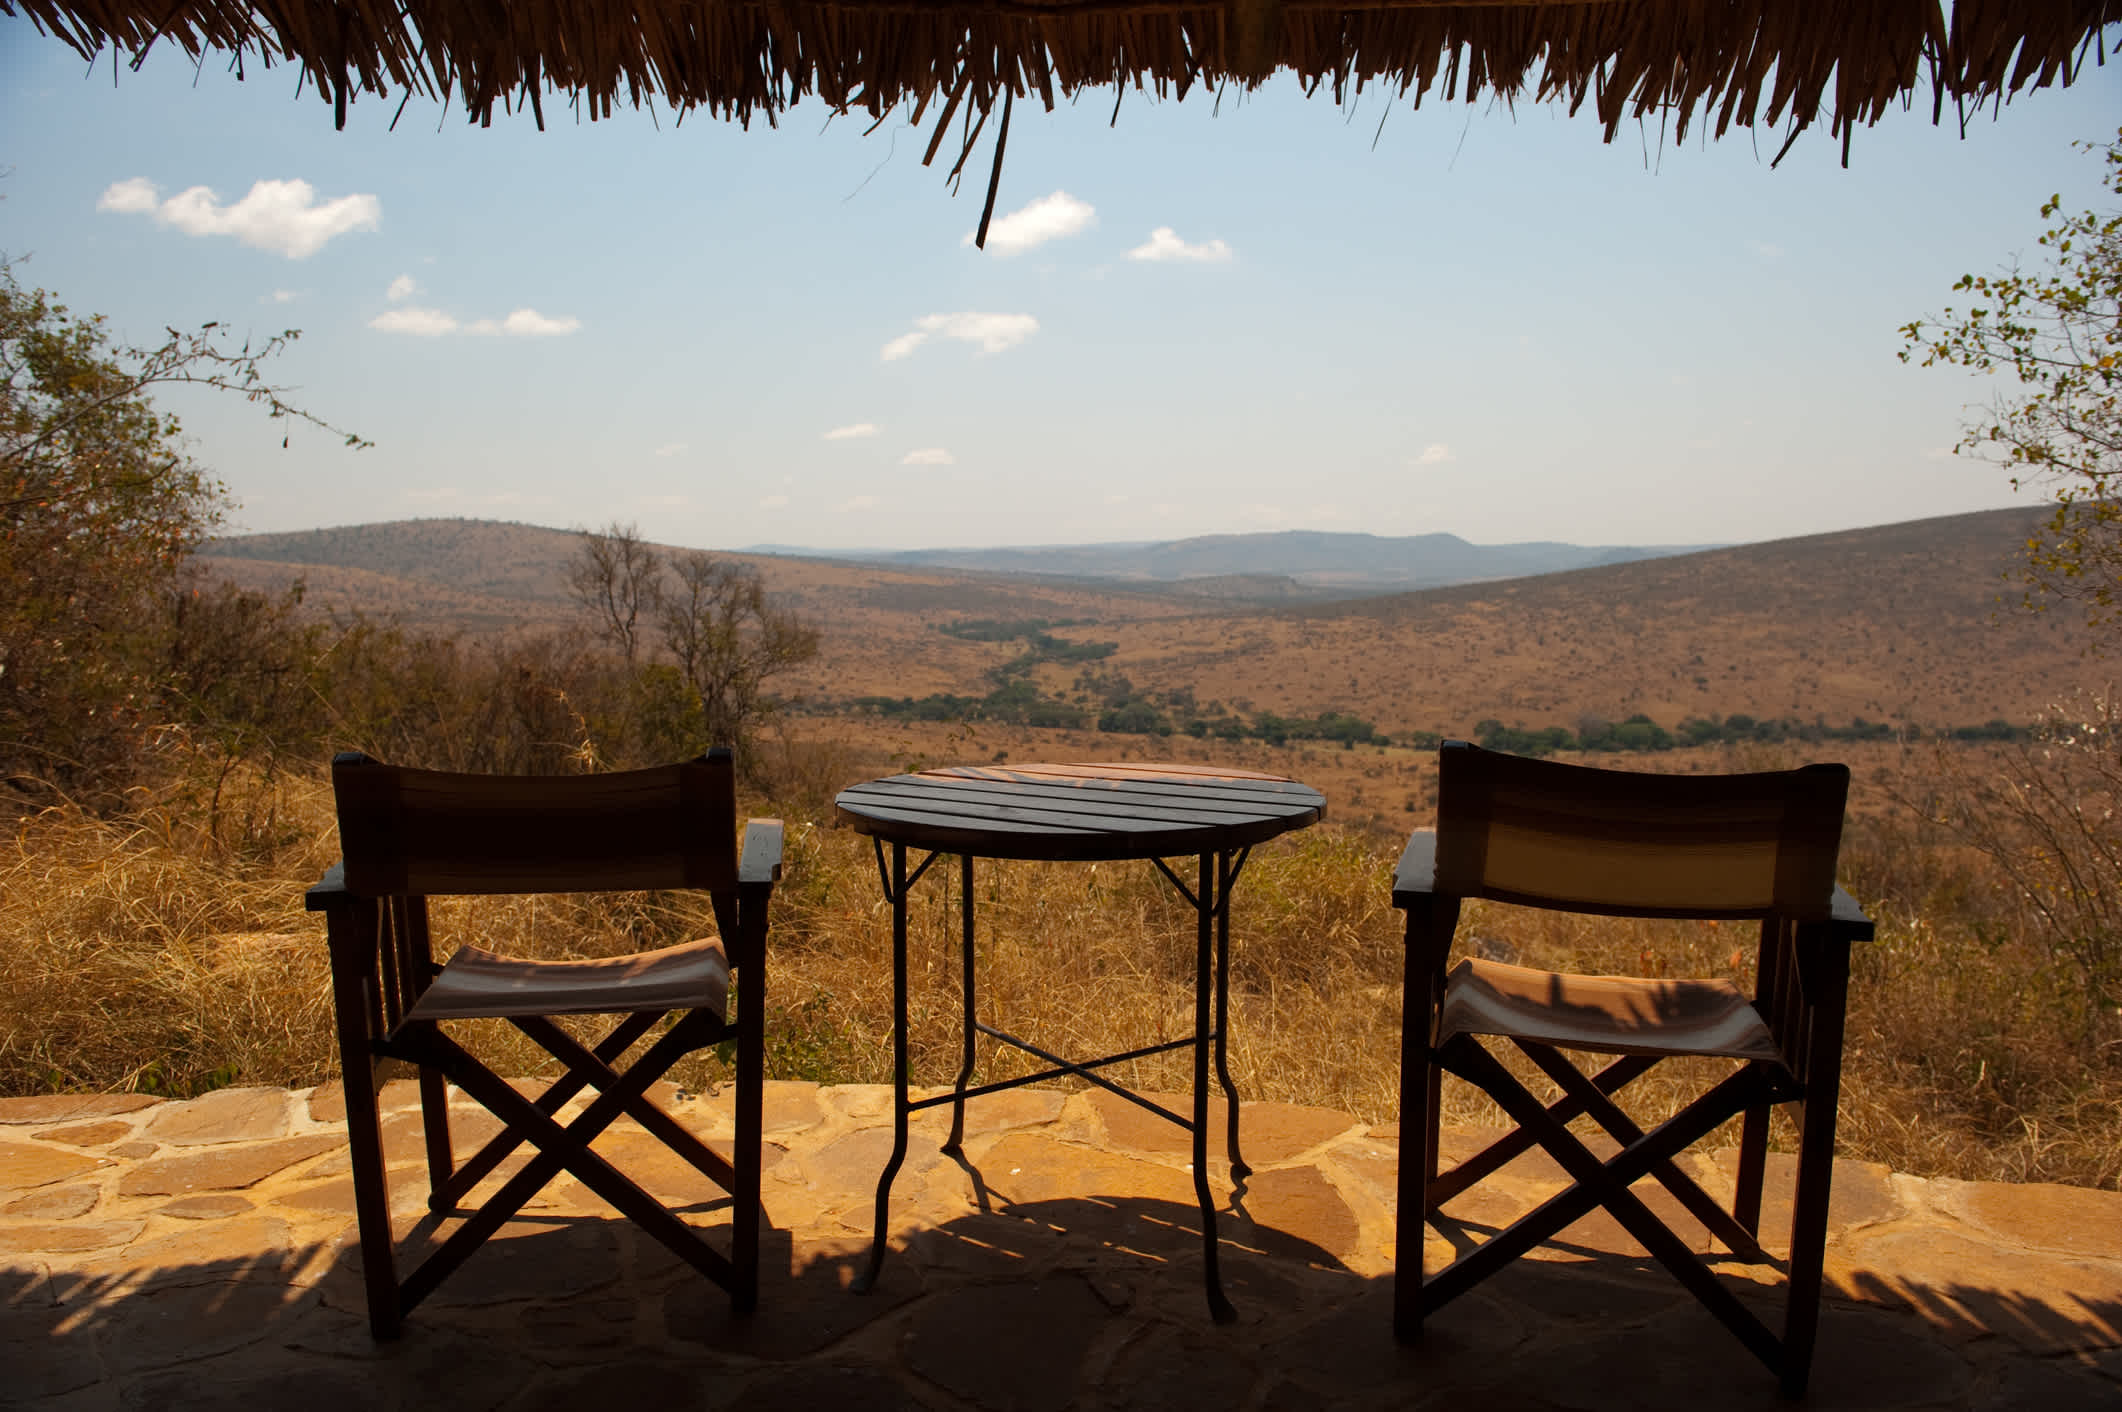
[{"x": 201, "y": 1253}]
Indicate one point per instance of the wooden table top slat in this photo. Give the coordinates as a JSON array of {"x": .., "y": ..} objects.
[
  {"x": 1079, "y": 812},
  {"x": 971, "y": 813},
  {"x": 920, "y": 818},
  {"x": 975, "y": 795},
  {"x": 1220, "y": 792}
]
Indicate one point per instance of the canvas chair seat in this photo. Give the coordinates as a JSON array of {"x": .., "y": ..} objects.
[
  {"x": 1604, "y": 1014},
  {"x": 406, "y": 835},
  {"x": 481, "y": 985},
  {"x": 1537, "y": 833}
]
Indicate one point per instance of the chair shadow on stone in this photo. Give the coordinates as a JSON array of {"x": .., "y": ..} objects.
[
  {"x": 1166, "y": 1228},
  {"x": 1036, "y": 1306}
]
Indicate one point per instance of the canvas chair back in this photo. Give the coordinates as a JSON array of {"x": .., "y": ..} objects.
[
  {"x": 1617, "y": 842},
  {"x": 426, "y": 832}
]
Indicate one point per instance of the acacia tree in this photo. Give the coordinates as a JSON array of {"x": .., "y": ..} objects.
[
  {"x": 99, "y": 505},
  {"x": 723, "y": 638},
  {"x": 2058, "y": 331},
  {"x": 727, "y": 640},
  {"x": 615, "y": 576}
]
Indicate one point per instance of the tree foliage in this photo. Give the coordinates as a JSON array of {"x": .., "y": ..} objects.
[
  {"x": 728, "y": 639},
  {"x": 722, "y": 638},
  {"x": 2057, "y": 330},
  {"x": 99, "y": 505}
]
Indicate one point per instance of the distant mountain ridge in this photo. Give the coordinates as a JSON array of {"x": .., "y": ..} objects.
[{"x": 1361, "y": 563}]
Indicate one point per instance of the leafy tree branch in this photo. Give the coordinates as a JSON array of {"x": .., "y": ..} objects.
[
  {"x": 2057, "y": 332},
  {"x": 99, "y": 506}
]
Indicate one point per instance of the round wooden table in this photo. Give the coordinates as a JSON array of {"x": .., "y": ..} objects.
[{"x": 1078, "y": 813}]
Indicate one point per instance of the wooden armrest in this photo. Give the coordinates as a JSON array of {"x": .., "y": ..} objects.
[
  {"x": 1415, "y": 879},
  {"x": 328, "y": 890},
  {"x": 760, "y": 862}
]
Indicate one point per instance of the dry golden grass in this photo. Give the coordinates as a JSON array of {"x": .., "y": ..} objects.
[
  {"x": 134, "y": 955},
  {"x": 144, "y": 955}
]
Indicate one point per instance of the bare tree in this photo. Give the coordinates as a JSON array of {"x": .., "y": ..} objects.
[
  {"x": 2048, "y": 813},
  {"x": 728, "y": 640},
  {"x": 617, "y": 576}
]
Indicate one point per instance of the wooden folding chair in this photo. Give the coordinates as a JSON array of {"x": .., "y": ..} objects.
[
  {"x": 1543, "y": 834},
  {"x": 406, "y": 835}
]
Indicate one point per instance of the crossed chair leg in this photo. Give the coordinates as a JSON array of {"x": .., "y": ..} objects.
[
  {"x": 559, "y": 1147},
  {"x": 1595, "y": 1183}
]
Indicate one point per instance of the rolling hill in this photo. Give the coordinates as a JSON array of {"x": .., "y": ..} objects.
[{"x": 1896, "y": 622}]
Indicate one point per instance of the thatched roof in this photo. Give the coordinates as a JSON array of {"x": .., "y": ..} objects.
[{"x": 1780, "y": 62}]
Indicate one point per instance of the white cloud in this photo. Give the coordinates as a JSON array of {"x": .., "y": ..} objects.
[
  {"x": 995, "y": 333},
  {"x": 849, "y": 433},
  {"x": 529, "y": 323},
  {"x": 284, "y": 217},
  {"x": 860, "y": 502},
  {"x": 670, "y": 448},
  {"x": 135, "y": 196},
  {"x": 928, "y": 456},
  {"x": 904, "y": 344},
  {"x": 1765, "y": 250},
  {"x": 1049, "y": 218},
  {"x": 433, "y": 323},
  {"x": 525, "y": 323},
  {"x": 773, "y": 502},
  {"x": 284, "y": 296},
  {"x": 403, "y": 287},
  {"x": 1164, "y": 244},
  {"x": 427, "y": 323},
  {"x": 1435, "y": 454}
]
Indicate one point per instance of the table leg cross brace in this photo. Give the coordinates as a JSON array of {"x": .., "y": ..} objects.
[{"x": 1210, "y": 900}]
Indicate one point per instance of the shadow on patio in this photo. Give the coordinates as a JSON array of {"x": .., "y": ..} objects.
[{"x": 1077, "y": 1301}]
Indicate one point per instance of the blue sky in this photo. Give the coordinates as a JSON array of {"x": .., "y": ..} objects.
[{"x": 1275, "y": 316}]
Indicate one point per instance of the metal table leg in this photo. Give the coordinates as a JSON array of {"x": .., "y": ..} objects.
[
  {"x": 1227, "y": 874},
  {"x": 896, "y": 883},
  {"x": 972, "y": 1031},
  {"x": 1205, "y": 899},
  {"x": 1210, "y": 897}
]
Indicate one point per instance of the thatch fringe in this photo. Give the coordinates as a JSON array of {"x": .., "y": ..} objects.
[{"x": 1733, "y": 62}]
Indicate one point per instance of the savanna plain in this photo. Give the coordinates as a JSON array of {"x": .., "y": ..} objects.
[{"x": 155, "y": 938}]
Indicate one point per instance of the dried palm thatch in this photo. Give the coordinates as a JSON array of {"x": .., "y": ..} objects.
[{"x": 1727, "y": 61}]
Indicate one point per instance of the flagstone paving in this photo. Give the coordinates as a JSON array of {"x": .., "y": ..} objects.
[{"x": 202, "y": 1253}]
